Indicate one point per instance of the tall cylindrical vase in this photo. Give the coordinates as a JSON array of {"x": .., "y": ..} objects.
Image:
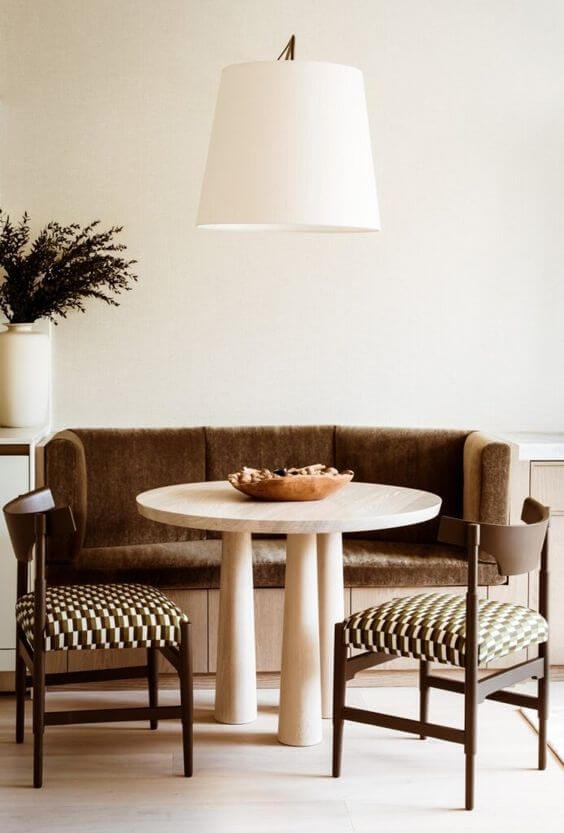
[{"x": 24, "y": 376}]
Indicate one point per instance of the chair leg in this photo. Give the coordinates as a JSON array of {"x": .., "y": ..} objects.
[
  {"x": 543, "y": 686},
  {"x": 20, "y": 695},
  {"x": 186, "y": 696},
  {"x": 153, "y": 682},
  {"x": 423, "y": 694},
  {"x": 470, "y": 732},
  {"x": 38, "y": 715},
  {"x": 339, "y": 693}
]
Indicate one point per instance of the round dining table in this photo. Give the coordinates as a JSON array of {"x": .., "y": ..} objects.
[{"x": 314, "y": 586}]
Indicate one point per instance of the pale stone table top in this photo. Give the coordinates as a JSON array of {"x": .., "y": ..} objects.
[{"x": 355, "y": 508}]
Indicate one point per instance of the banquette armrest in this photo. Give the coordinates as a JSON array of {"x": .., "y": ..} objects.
[
  {"x": 487, "y": 477},
  {"x": 65, "y": 473}
]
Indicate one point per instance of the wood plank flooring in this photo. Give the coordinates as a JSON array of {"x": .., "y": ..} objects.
[{"x": 126, "y": 778}]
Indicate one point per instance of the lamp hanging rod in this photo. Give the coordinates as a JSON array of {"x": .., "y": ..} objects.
[{"x": 287, "y": 53}]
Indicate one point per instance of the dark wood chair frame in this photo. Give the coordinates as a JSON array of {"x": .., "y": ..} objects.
[
  {"x": 32, "y": 521},
  {"x": 517, "y": 549}
]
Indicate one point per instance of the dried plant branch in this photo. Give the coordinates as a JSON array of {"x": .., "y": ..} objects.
[{"x": 61, "y": 269}]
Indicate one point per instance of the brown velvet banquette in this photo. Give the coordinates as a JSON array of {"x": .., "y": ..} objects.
[{"x": 100, "y": 472}]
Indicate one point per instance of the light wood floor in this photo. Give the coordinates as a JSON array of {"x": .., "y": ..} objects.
[{"x": 126, "y": 778}]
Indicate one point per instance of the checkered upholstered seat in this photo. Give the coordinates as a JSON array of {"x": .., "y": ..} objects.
[
  {"x": 104, "y": 616},
  {"x": 432, "y": 626}
]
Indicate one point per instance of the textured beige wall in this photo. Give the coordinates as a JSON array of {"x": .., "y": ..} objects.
[{"x": 452, "y": 315}]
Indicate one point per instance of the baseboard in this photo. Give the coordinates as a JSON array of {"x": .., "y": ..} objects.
[{"x": 366, "y": 679}]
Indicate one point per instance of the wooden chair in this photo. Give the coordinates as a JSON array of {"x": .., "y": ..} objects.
[
  {"x": 461, "y": 631},
  {"x": 88, "y": 617}
]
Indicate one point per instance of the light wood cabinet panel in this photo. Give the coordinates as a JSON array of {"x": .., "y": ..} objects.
[
  {"x": 269, "y": 611},
  {"x": 193, "y": 602},
  {"x": 556, "y": 591},
  {"x": 56, "y": 661},
  {"x": 547, "y": 485},
  {"x": 363, "y": 597},
  {"x": 269, "y": 614},
  {"x": 113, "y": 658}
]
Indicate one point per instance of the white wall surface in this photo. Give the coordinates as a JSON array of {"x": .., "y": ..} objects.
[{"x": 451, "y": 316}]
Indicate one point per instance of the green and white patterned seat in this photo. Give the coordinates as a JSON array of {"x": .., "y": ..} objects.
[
  {"x": 432, "y": 626},
  {"x": 94, "y": 616}
]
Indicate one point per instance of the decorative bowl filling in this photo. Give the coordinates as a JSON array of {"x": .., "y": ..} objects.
[{"x": 306, "y": 483}]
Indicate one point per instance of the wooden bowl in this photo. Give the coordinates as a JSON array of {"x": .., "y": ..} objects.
[{"x": 295, "y": 487}]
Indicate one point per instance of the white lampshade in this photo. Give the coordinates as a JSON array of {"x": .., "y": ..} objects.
[{"x": 290, "y": 150}]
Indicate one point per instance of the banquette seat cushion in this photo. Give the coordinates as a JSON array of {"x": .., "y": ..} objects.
[{"x": 196, "y": 564}]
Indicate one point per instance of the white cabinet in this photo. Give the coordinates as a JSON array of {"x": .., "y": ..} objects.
[{"x": 17, "y": 475}]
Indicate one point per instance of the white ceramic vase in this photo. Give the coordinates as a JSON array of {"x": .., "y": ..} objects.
[{"x": 24, "y": 376}]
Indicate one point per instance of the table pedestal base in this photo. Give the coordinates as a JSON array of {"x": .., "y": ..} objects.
[
  {"x": 300, "y": 683},
  {"x": 236, "y": 681},
  {"x": 331, "y": 595}
]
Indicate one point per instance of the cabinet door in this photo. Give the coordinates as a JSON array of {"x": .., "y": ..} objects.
[
  {"x": 14, "y": 479},
  {"x": 547, "y": 485}
]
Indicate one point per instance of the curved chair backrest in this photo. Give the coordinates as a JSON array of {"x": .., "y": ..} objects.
[
  {"x": 20, "y": 515},
  {"x": 516, "y": 548}
]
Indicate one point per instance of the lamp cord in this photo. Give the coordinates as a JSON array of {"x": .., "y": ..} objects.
[{"x": 287, "y": 53}]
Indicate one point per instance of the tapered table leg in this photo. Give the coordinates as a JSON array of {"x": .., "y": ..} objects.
[
  {"x": 300, "y": 685},
  {"x": 236, "y": 683},
  {"x": 331, "y": 608}
]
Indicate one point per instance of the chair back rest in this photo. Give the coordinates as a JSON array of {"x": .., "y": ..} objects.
[
  {"x": 516, "y": 548},
  {"x": 21, "y": 515}
]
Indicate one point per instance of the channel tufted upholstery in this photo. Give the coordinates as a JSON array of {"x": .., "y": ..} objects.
[{"x": 99, "y": 472}]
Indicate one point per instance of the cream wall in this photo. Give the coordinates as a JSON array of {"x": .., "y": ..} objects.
[{"x": 451, "y": 315}]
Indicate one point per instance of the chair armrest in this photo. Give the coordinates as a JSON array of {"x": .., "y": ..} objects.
[{"x": 452, "y": 531}]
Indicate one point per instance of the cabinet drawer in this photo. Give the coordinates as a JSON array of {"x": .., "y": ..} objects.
[{"x": 547, "y": 485}]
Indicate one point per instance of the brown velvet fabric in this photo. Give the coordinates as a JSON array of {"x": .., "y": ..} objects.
[
  {"x": 65, "y": 473},
  {"x": 420, "y": 458},
  {"x": 487, "y": 468},
  {"x": 227, "y": 449},
  {"x": 266, "y": 446},
  {"x": 371, "y": 563},
  {"x": 120, "y": 463},
  {"x": 196, "y": 564},
  {"x": 495, "y": 498},
  {"x": 100, "y": 472}
]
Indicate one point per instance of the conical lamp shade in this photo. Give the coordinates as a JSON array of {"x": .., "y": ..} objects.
[{"x": 290, "y": 151}]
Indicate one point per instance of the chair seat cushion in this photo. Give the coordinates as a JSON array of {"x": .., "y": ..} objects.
[
  {"x": 432, "y": 626},
  {"x": 104, "y": 616}
]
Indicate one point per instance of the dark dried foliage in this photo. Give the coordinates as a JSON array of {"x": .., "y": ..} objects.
[{"x": 60, "y": 270}]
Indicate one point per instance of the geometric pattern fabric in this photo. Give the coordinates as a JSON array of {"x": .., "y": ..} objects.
[
  {"x": 432, "y": 626},
  {"x": 94, "y": 616}
]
